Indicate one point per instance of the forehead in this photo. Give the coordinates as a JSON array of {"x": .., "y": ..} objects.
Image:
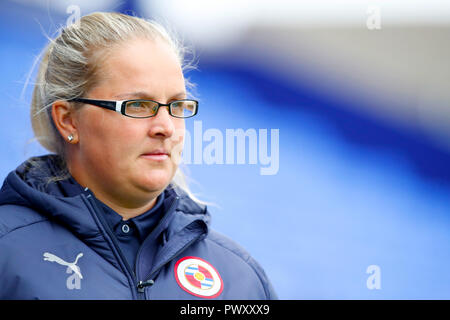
[{"x": 141, "y": 65}]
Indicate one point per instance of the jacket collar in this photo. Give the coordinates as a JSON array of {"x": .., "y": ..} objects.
[{"x": 28, "y": 186}]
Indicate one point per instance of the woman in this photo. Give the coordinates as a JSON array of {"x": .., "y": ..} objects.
[{"x": 107, "y": 216}]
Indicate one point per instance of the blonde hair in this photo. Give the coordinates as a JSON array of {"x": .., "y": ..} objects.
[{"x": 69, "y": 66}]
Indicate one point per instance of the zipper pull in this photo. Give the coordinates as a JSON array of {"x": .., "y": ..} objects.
[{"x": 142, "y": 284}]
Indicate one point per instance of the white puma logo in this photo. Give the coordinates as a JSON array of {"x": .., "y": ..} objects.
[{"x": 52, "y": 258}]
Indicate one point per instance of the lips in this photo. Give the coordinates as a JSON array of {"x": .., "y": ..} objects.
[
  {"x": 158, "y": 152},
  {"x": 156, "y": 155}
]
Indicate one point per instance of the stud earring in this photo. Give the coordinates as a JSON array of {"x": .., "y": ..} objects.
[{"x": 70, "y": 138}]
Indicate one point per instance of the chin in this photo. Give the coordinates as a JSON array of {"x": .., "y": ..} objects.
[{"x": 156, "y": 180}]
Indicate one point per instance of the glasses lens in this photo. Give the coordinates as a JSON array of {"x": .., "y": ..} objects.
[
  {"x": 141, "y": 109},
  {"x": 183, "y": 109}
]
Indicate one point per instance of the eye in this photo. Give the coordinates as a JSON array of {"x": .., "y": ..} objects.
[
  {"x": 141, "y": 108},
  {"x": 183, "y": 108},
  {"x": 135, "y": 104}
]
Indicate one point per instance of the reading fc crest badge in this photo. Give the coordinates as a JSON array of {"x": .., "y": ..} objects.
[{"x": 198, "y": 277}]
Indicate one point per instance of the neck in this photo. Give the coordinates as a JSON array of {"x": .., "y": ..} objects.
[
  {"x": 121, "y": 202},
  {"x": 126, "y": 212},
  {"x": 124, "y": 206}
]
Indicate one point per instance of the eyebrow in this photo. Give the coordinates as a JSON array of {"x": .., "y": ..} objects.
[{"x": 146, "y": 95}]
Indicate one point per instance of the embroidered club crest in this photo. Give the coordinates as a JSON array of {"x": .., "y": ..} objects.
[{"x": 198, "y": 277}]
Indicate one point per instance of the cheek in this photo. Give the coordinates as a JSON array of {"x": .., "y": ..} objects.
[{"x": 105, "y": 140}]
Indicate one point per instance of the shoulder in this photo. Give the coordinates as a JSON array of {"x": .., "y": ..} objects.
[
  {"x": 229, "y": 247},
  {"x": 14, "y": 217},
  {"x": 227, "y": 244}
]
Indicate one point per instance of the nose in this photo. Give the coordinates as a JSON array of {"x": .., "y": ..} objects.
[{"x": 161, "y": 125}]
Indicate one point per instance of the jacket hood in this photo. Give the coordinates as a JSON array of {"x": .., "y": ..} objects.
[{"x": 31, "y": 185}]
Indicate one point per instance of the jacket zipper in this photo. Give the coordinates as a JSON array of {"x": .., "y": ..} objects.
[
  {"x": 147, "y": 283},
  {"x": 142, "y": 284},
  {"x": 122, "y": 259}
]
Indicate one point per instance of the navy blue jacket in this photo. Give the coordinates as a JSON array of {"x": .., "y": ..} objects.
[{"x": 55, "y": 245}]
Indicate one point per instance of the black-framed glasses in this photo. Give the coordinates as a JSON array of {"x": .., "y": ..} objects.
[{"x": 141, "y": 108}]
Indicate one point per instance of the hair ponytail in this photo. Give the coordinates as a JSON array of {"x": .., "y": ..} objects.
[{"x": 40, "y": 112}]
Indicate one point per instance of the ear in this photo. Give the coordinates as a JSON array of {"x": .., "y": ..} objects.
[{"x": 64, "y": 117}]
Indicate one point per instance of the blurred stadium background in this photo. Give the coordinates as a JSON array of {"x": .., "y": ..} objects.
[{"x": 364, "y": 128}]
